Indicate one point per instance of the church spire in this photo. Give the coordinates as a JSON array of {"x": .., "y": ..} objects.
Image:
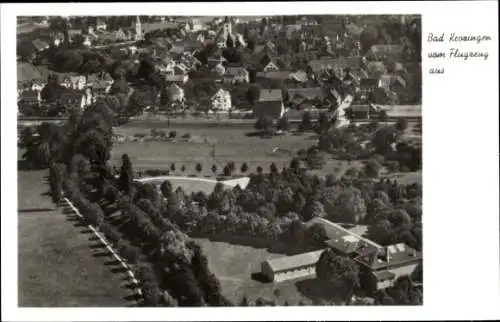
[{"x": 138, "y": 28}]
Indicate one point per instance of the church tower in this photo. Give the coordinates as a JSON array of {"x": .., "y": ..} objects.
[{"x": 138, "y": 29}]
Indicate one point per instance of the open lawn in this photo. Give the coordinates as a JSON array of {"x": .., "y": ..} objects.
[
  {"x": 234, "y": 266},
  {"x": 60, "y": 262},
  {"x": 231, "y": 144}
]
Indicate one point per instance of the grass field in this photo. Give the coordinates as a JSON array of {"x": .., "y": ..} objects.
[
  {"x": 234, "y": 266},
  {"x": 60, "y": 263},
  {"x": 231, "y": 144}
]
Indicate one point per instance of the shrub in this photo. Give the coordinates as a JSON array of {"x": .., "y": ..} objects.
[
  {"x": 199, "y": 167},
  {"x": 186, "y": 135},
  {"x": 172, "y": 134},
  {"x": 214, "y": 168},
  {"x": 172, "y": 167},
  {"x": 259, "y": 170},
  {"x": 183, "y": 168}
]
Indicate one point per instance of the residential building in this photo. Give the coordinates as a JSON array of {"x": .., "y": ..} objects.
[
  {"x": 359, "y": 111},
  {"x": 270, "y": 104},
  {"x": 299, "y": 76},
  {"x": 282, "y": 75},
  {"x": 72, "y": 99},
  {"x": 320, "y": 65},
  {"x": 391, "y": 82},
  {"x": 310, "y": 95},
  {"x": 178, "y": 79},
  {"x": 221, "y": 100},
  {"x": 219, "y": 69},
  {"x": 101, "y": 24},
  {"x": 375, "y": 69},
  {"x": 74, "y": 82},
  {"x": 40, "y": 45},
  {"x": 291, "y": 267},
  {"x": 382, "y": 52},
  {"x": 337, "y": 237},
  {"x": 74, "y": 33},
  {"x": 379, "y": 269},
  {"x": 403, "y": 111},
  {"x": 30, "y": 98},
  {"x": 216, "y": 59},
  {"x": 235, "y": 75},
  {"x": 273, "y": 64},
  {"x": 175, "y": 94},
  {"x": 368, "y": 86}
]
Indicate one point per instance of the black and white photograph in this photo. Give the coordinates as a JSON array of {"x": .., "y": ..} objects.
[{"x": 217, "y": 161}]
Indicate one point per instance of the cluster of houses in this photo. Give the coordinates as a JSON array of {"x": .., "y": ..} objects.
[
  {"x": 79, "y": 91},
  {"x": 379, "y": 266},
  {"x": 315, "y": 64}
]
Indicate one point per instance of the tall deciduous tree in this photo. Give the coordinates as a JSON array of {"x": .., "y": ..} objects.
[
  {"x": 126, "y": 179},
  {"x": 339, "y": 273}
]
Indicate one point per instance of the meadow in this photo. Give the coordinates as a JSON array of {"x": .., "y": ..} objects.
[
  {"x": 60, "y": 264},
  {"x": 235, "y": 144}
]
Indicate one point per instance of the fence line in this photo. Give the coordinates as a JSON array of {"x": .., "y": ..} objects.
[{"x": 103, "y": 240}]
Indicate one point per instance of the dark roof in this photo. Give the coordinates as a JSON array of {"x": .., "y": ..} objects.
[
  {"x": 148, "y": 27},
  {"x": 288, "y": 262},
  {"x": 176, "y": 49},
  {"x": 29, "y": 95},
  {"x": 368, "y": 82},
  {"x": 269, "y": 95},
  {"x": 384, "y": 275},
  {"x": 280, "y": 74},
  {"x": 273, "y": 109},
  {"x": 234, "y": 71},
  {"x": 398, "y": 254},
  {"x": 322, "y": 64},
  {"x": 308, "y": 93}
]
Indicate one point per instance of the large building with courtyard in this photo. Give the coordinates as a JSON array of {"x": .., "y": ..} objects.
[{"x": 380, "y": 266}]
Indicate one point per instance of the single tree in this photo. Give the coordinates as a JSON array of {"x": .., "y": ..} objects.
[
  {"x": 338, "y": 273},
  {"x": 306, "y": 121},
  {"x": 183, "y": 168},
  {"x": 199, "y": 168},
  {"x": 273, "y": 168},
  {"x": 244, "y": 167},
  {"x": 172, "y": 167},
  {"x": 214, "y": 169}
]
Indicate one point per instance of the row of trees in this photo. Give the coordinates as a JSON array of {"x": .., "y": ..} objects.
[{"x": 77, "y": 154}]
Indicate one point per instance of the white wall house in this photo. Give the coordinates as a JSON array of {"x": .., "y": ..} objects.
[
  {"x": 221, "y": 100},
  {"x": 271, "y": 67}
]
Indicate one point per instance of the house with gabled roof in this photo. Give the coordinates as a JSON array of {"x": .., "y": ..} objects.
[
  {"x": 281, "y": 75},
  {"x": 175, "y": 93},
  {"x": 320, "y": 65},
  {"x": 382, "y": 52},
  {"x": 270, "y": 104},
  {"x": 291, "y": 267},
  {"x": 313, "y": 95},
  {"x": 379, "y": 269},
  {"x": 236, "y": 75},
  {"x": 221, "y": 100}
]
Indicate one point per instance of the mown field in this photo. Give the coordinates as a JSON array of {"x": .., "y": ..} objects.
[
  {"x": 234, "y": 266},
  {"x": 60, "y": 263},
  {"x": 231, "y": 144}
]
